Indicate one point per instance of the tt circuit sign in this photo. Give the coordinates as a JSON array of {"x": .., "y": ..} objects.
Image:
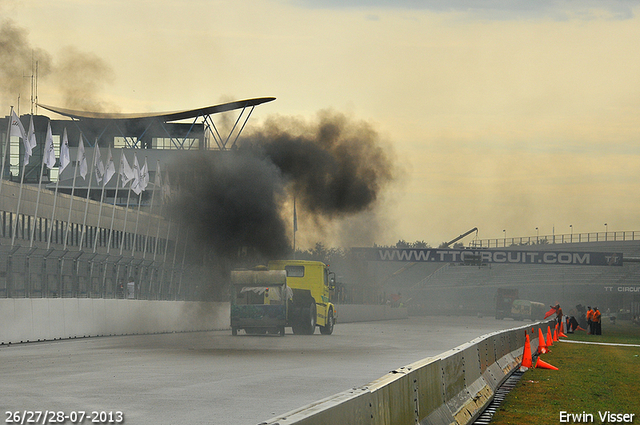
[{"x": 489, "y": 256}]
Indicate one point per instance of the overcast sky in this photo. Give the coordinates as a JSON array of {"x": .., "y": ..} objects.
[{"x": 503, "y": 115}]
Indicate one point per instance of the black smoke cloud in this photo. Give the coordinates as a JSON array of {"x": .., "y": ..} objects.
[
  {"x": 337, "y": 167},
  {"x": 228, "y": 201},
  {"x": 233, "y": 201}
]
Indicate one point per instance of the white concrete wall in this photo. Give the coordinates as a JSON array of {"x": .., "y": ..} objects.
[
  {"x": 368, "y": 313},
  {"x": 38, "y": 319}
]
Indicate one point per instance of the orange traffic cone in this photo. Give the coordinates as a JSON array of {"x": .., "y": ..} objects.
[
  {"x": 555, "y": 334},
  {"x": 542, "y": 346},
  {"x": 580, "y": 328},
  {"x": 561, "y": 334},
  {"x": 549, "y": 337},
  {"x": 544, "y": 365},
  {"x": 526, "y": 356}
]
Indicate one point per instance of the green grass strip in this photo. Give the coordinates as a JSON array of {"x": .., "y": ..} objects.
[{"x": 591, "y": 379}]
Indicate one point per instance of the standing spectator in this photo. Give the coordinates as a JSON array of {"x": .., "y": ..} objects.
[
  {"x": 589, "y": 321},
  {"x": 597, "y": 321}
]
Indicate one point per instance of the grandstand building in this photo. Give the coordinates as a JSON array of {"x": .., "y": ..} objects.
[{"x": 68, "y": 236}]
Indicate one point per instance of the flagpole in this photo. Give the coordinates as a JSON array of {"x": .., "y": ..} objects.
[
  {"x": 53, "y": 213},
  {"x": 175, "y": 251},
  {"x": 155, "y": 248},
  {"x": 184, "y": 255},
  {"x": 105, "y": 180},
  {"x": 95, "y": 240},
  {"x": 146, "y": 238},
  {"x": 48, "y": 144},
  {"x": 124, "y": 228},
  {"x": 15, "y": 223},
  {"x": 295, "y": 226},
  {"x": 35, "y": 216},
  {"x": 113, "y": 214},
  {"x": 24, "y": 169},
  {"x": 135, "y": 233},
  {"x": 133, "y": 179},
  {"x": 6, "y": 148},
  {"x": 73, "y": 187},
  {"x": 86, "y": 206},
  {"x": 115, "y": 198},
  {"x": 55, "y": 193}
]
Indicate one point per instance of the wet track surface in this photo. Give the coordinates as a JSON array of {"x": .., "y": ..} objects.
[{"x": 214, "y": 378}]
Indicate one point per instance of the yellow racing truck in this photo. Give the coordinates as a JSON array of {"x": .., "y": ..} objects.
[{"x": 286, "y": 293}]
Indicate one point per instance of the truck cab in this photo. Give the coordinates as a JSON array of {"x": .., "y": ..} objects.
[{"x": 311, "y": 283}]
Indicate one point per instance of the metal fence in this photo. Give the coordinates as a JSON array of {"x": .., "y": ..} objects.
[
  {"x": 555, "y": 239},
  {"x": 36, "y": 272}
]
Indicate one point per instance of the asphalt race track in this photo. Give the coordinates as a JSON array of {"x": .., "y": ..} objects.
[{"x": 214, "y": 378}]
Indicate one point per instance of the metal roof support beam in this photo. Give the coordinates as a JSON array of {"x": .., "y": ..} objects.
[
  {"x": 189, "y": 132},
  {"x": 242, "y": 128},
  {"x": 145, "y": 131},
  {"x": 173, "y": 139},
  {"x": 216, "y": 134},
  {"x": 234, "y": 126}
]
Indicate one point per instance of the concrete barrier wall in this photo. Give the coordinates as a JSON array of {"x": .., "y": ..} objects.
[
  {"x": 452, "y": 388},
  {"x": 348, "y": 313},
  {"x": 38, "y": 319}
]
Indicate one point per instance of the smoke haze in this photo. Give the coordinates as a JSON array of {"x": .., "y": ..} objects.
[
  {"x": 79, "y": 76},
  {"x": 16, "y": 59},
  {"x": 241, "y": 200}
]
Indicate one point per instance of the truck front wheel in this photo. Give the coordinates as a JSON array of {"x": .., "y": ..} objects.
[{"x": 327, "y": 329}]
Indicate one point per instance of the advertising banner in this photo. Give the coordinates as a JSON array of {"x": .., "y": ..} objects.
[{"x": 489, "y": 256}]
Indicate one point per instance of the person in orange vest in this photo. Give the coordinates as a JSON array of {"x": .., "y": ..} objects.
[
  {"x": 589, "y": 321},
  {"x": 597, "y": 321},
  {"x": 558, "y": 313}
]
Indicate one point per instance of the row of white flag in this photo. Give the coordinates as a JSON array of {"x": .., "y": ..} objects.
[{"x": 103, "y": 171}]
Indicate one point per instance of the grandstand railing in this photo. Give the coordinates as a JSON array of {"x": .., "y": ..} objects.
[{"x": 556, "y": 239}]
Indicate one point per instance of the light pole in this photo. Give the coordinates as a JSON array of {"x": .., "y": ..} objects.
[
  {"x": 537, "y": 235},
  {"x": 505, "y": 237},
  {"x": 606, "y": 230},
  {"x": 571, "y": 227}
]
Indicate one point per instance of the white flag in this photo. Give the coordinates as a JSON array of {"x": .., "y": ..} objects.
[
  {"x": 29, "y": 143},
  {"x": 110, "y": 169},
  {"x": 135, "y": 186},
  {"x": 98, "y": 166},
  {"x": 49, "y": 151},
  {"x": 65, "y": 158},
  {"x": 32, "y": 138},
  {"x": 126, "y": 172},
  {"x": 144, "y": 176},
  {"x": 17, "y": 129},
  {"x": 81, "y": 159}
]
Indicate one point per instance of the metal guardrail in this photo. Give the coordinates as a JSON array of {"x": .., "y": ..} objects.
[{"x": 556, "y": 239}]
